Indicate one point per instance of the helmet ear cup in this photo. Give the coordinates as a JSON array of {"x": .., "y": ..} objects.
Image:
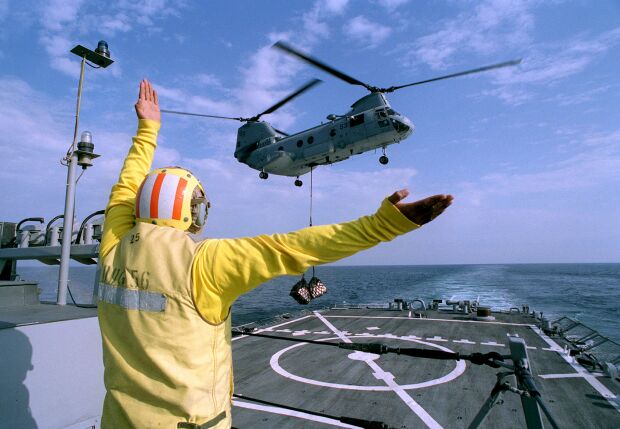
[{"x": 202, "y": 214}]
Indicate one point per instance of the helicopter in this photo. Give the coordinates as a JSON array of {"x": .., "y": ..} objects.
[{"x": 370, "y": 124}]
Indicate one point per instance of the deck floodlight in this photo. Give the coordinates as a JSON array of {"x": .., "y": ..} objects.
[
  {"x": 100, "y": 56},
  {"x": 85, "y": 150},
  {"x": 83, "y": 156}
]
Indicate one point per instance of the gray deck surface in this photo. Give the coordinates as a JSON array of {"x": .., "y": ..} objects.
[
  {"x": 41, "y": 313},
  {"x": 331, "y": 381}
]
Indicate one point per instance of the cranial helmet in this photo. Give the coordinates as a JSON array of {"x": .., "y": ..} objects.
[{"x": 172, "y": 196}]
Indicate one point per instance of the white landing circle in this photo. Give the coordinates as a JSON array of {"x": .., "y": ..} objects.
[
  {"x": 363, "y": 356},
  {"x": 459, "y": 367}
]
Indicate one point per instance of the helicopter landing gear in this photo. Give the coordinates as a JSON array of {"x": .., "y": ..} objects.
[
  {"x": 298, "y": 182},
  {"x": 383, "y": 159},
  {"x": 263, "y": 175}
]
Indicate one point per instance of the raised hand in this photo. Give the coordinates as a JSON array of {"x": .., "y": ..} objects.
[
  {"x": 147, "y": 106},
  {"x": 422, "y": 211}
]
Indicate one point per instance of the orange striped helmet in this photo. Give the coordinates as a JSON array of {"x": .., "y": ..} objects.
[{"x": 172, "y": 196}]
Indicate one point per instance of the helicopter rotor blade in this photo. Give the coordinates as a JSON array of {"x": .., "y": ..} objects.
[
  {"x": 340, "y": 75},
  {"x": 280, "y": 132},
  {"x": 463, "y": 73},
  {"x": 201, "y": 115},
  {"x": 288, "y": 98}
]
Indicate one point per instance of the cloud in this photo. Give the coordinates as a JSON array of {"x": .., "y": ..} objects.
[
  {"x": 61, "y": 21},
  {"x": 390, "y": 5},
  {"x": 596, "y": 162},
  {"x": 37, "y": 132},
  {"x": 207, "y": 79},
  {"x": 57, "y": 14},
  {"x": 314, "y": 21},
  {"x": 335, "y": 6},
  {"x": 492, "y": 26},
  {"x": 546, "y": 63},
  {"x": 366, "y": 32}
]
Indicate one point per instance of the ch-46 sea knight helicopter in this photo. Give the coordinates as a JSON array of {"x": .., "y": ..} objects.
[{"x": 370, "y": 124}]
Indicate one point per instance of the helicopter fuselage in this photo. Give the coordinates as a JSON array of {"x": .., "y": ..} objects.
[{"x": 370, "y": 124}]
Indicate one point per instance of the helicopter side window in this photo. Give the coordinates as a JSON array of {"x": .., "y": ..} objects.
[
  {"x": 310, "y": 140},
  {"x": 299, "y": 143},
  {"x": 281, "y": 148},
  {"x": 356, "y": 120},
  {"x": 332, "y": 132}
]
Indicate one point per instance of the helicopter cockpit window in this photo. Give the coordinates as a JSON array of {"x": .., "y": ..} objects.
[
  {"x": 380, "y": 113},
  {"x": 299, "y": 143},
  {"x": 356, "y": 120},
  {"x": 392, "y": 112}
]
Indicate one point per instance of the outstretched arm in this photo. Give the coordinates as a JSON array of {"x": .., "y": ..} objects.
[
  {"x": 120, "y": 216},
  {"x": 225, "y": 269}
]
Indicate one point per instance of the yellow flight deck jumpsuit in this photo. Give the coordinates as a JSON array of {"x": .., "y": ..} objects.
[{"x": 164, "y": 300}]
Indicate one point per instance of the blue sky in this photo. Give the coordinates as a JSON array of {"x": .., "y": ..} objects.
[{"x": 531, "y": 153}]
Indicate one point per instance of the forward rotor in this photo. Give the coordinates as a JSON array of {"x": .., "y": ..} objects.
[{"x": 353, "y": 81}]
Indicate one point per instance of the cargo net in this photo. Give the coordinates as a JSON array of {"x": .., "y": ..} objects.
[
  {"x": 303, "y": 292},
  {"x": 585, "y": 340}
]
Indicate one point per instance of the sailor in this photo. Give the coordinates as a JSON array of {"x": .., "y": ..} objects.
[{"x": 164, "y": 299}]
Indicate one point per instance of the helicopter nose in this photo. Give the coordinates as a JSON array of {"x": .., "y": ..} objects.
[{"x": 403, "y": 126}]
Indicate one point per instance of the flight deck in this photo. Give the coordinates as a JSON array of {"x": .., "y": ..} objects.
[{"x": 299, "y": 384}]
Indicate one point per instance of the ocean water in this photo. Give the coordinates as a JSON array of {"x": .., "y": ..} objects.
[{"x": 587, "y": 292}]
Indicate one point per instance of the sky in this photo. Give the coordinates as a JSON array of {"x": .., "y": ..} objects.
[{"x": 530, "y": 153}]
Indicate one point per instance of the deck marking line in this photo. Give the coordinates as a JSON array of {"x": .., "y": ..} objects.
[
  {"x": 553, "y": 349},
  {"x": 600, "y": 387},
  {"x": 570, "y": 375},
  {"x": 411, "y": 337},
  {"x": 429, "y": 319},
  {"x": 373, "y": 328},
  {"x": 492, "y": 343},
  {"x": 290, "y": 413},
  {"x": 436, "y": 338},
  {"x": 456, "y": 372},
  {"x": 332, "y": 328},
  {"x": 270, "y": 329},
  {"x": 303, "y": 332},
  {"x": 402, "y": 394},
  {"x": 463, "y": 341},
  {"x": 388, "y": 379}
]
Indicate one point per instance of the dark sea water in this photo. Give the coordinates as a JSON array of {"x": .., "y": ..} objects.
[{"x": 587, "y": 292}]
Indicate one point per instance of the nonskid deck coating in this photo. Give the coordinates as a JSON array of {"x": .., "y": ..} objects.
[{"x": 401, "y": 391}]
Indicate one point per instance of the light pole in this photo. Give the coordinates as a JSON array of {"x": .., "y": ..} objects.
[{"x": 99, "y": 58}]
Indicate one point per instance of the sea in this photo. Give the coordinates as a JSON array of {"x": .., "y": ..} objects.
[{"x": 589, "y": 293}]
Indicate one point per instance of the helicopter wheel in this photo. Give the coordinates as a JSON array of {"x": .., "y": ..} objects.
[
  {"x": 263, "y": 175},
  {"x": 298, "y": 183},
  {"x": 384, "y": 159}
]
